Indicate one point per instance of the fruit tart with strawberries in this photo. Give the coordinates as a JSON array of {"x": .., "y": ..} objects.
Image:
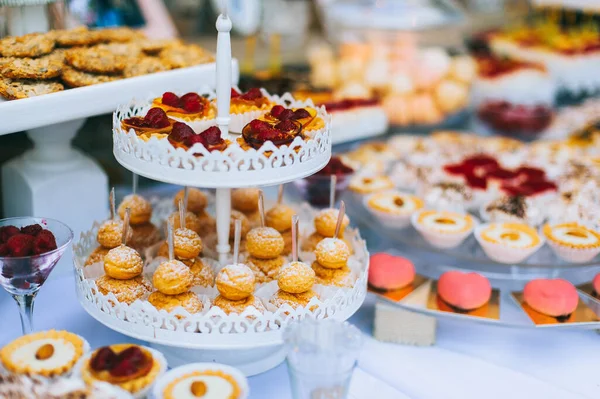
[
  {"x": 131, "y": 367},
  {"x": 191, "y": 107},
  {"x": 183, "y": 136},
  {"x": 155, "y": 123},
  {"x": 247, "y": 106},
  {"x": 258, "y": 132}
]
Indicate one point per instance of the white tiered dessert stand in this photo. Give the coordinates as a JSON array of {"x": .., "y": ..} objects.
[{"x": 251, "y": 341}]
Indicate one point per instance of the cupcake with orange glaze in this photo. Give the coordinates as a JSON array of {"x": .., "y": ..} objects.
[{"x": 191, "y": 108}]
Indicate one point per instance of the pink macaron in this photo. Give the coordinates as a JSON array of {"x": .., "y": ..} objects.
[
  {"x": 465, "y": 291},
  {"x": 552, "y": 297},
  {"x": 596, "y": 284},
  {"x": 387, "y": 272}
]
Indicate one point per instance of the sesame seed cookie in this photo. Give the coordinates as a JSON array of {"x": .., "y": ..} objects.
[
  {"x": 95, "y": 60},
  {"x": 80, "y": 36},
  {"x": 74, "y": 78},
  {"x": 120, "y": 35},
  {"x": 153, "y": 47},
  {"x": 46, "y": 67},
  {"x": 185, "y": 56},
  {"x": 30, "y": 45},
  {"x": 17, "y": 89},
  {"x": 144, "y": 66}
]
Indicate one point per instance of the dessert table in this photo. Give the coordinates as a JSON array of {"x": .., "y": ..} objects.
[{"x": 468, "y": 361}]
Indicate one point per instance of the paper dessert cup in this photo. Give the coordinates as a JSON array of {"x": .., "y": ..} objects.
[
  {"x": 171, "y": 375},
  {"x": 573, "y": 255},
  {"x": 439, "y": 239},
  {"x": 570, "y": 253},
  {"x": 502, "y": 253},
  {"x": 394, "y": 221}
]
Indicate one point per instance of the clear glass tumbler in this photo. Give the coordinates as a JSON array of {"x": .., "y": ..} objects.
[{"x": 321, "y": 358}]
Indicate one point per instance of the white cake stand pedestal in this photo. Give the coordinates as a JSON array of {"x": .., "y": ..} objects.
[{"x": 55, "y": 180}]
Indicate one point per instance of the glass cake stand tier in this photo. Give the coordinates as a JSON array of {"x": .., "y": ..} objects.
[{"x": 432, "y": 262}]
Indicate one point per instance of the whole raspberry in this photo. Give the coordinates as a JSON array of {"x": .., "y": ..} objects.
[
  {"x": 8, "y": 231},
  {"x": 212, "y": 135},
  {"x": 171, "y": 99},
  {"x": 157, "y": 118},
  {"x": 32, "y": 229},
  {"x": 276, "y": 110},
  {"x": 252, "y": 94},
  {"x": 20, "y": 245},
  {"x": 44, "y": 242},
  {"x": 181, "y": 132},
  {"x": 4, "y": 250},
  {"x": 192, "y": 102}
]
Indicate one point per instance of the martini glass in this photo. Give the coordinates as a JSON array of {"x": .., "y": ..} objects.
[{"x": 23, "y": 276}]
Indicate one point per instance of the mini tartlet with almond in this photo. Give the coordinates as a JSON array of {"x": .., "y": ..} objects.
[
  {"x": 572, "y": 242},
  {"x": 48, "y": 353},
  {"x": 508, "y": 242},
  {"x": 443, "y": 229},
  {"x": 393, "y": 208}
]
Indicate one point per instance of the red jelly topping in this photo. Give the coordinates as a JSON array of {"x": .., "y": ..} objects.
[
  {"x": 127, "y": 365},
  {"x": 478, "y": 170},
  {"x": 103, "y": 359}
]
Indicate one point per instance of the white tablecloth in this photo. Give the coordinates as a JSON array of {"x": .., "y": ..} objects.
[{"x": 469, "y": 361}]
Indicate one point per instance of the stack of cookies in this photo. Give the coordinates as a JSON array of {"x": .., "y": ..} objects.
[{"x": 42, "y": 63}]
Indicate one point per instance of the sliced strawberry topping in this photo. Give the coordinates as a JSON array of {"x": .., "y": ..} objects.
[
  {"x": 456, "y": 169},
  {"x": 252, "y": 94},
  {"x": 212, "y": 135},
  {"x": 171, "y": 99},
  {"x": 301, "y": 114},
  {"x": 286, "y": 126},
  {"x": 129, "y": 362},
  {"x": 181, "y": 132},
  {"x": 234, "y": 93},
  {"x": 192, "y": 102},
  {"x": 259, "y": 126},
  {"x": 285, "y": 114},
  {"x": 196, "y": 138},
  {"x": 538, "y": 187},
  {"x": 103, "y": 359},
  {"x": 156, "y": 118},
  {"x": 276, "y": 111}
]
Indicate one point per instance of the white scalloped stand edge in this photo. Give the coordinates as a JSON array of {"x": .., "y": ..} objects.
[
  {"x": 235, "y": 167},
  {"x": 212, "y": 329}
]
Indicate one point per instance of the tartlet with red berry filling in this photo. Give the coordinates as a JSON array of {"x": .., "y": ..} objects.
[
  {"x": 155, "y": 123},
  {"x": 131, "y": 367},
  {"x": 307, "y": 117},
  {"x": 247, "y": 106},
  {"x": 192, "y": 108},
  {"x": 183, "y": 136},
  {"x": 258, "y": 132}
]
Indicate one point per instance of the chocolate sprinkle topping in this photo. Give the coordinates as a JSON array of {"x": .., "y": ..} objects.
[{"x": 512, "y": 205}]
